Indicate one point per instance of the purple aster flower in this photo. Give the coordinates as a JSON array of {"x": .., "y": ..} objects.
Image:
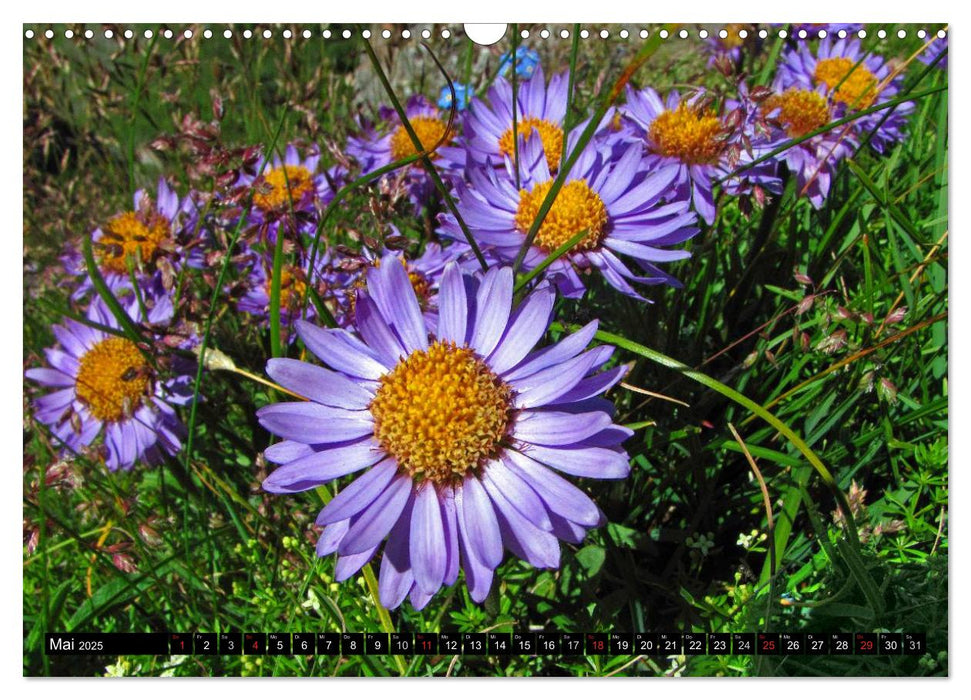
[
  {"x": 854, "y": 80},
  {"x": 795, "y": 112},
  {"x": 487, "y": 134},
  {"x": 290, "y": 184},
  {"x": 527, "y": 61},
  {"x": 687, "y": 134},
  {"x": 158, "y": 235},
  {"x": 106, "y": 385},
  {"x": 620, "y": 203},
  {"x": 295, "y": 278},
  {"x": 459, "y": 434},
  {"x": 373, "y": 150}
]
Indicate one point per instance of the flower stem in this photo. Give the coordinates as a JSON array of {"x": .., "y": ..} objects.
[{"x": 383, "y": 614}]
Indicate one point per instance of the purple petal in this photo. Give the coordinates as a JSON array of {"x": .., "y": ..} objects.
[
  {"x": 549, "y": 384},
  {"x": 497, "y": 478},
  {"x": 342, "y": 351},
  {"x": 313, "y": 423},
  {"x": 704, "y": 201},
  {"x": 394, "y": 295},
  {"x": 62, "y": 361},
  {"x": 557, "y": 428},
  {"x": 318, "y": 384},
  {"x": 453, "y": 306},
  {"x": 49, "y": 377},
  {"x": 359, "y": 494},
  {"x": 527, "y": 327},
  {"x": 396, "y": 578},
  {"x": 593, "y": 462},
  {"x": 427, "y": 541},
  {"x": 374, "y": 523},
  {"x": 74, "y": 343},
  {"x": 331, "y": 537},
  {"x": 120, "y": 453},
  {"x": 287, "y": 451},
  {"x": 621, "y": 175},
  {"x": 595, "y": 385},
  {"x": 569, "y": 347},
  {"x": 560, "y": 495},
  {"x": 646, "y": 252},
  {"x": 493, "y": 304},
  {"x": 477, "y": 520},
  {"x": 50, "y": 407},
  {"x": 349, "y": 564},
  {"x": 419, "y": 599},
  {"x": 525, "y": 540},
  {"x": 567, "y": 530},
  {"x": 612, "y": 437},
  {"x": 478, "y": 576},
  {"x": 376, "y": 332},
  {"x": 451, "y": 528},
  {"x": 319, "y": 468}
]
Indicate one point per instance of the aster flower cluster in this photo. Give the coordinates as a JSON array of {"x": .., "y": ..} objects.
[
  {"x": 814, "y": 87},
  {"x": 425, "y": 376},
  {"x": 114, "y": 396}
]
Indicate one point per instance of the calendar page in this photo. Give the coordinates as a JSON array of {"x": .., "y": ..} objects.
[{"x": 588, "y": 350}]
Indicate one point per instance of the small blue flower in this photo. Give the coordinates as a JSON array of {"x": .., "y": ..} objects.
[
  {"x": 526, "y": 62},
  {"x": 463, "y": 93}
]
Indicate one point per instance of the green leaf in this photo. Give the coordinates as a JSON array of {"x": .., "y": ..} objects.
[{"x": 592, "y": 558}]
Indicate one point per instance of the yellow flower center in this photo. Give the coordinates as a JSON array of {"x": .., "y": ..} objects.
[
  {"x": 293, "y": 287},
  {"x": 429, "y": 131},
  {"x": 549, "y": 133},
  {"x": 112, "y": 379},
  {"x": 441, "y": 413},
  {"x": 801, "y": 111},
  {"x": 857, "y": 85},
  {"x": 281, "y": 186},
  {"x": 576, "y": 208},
  {"x": 688, "y": 134},
  {"x": 137, "y": 235}
]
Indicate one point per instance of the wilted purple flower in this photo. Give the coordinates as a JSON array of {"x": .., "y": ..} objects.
[
  {"x": 459, "y": 433},
  {"x": 424, "y": 272},
  {"x": 295, "y": 277}
]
